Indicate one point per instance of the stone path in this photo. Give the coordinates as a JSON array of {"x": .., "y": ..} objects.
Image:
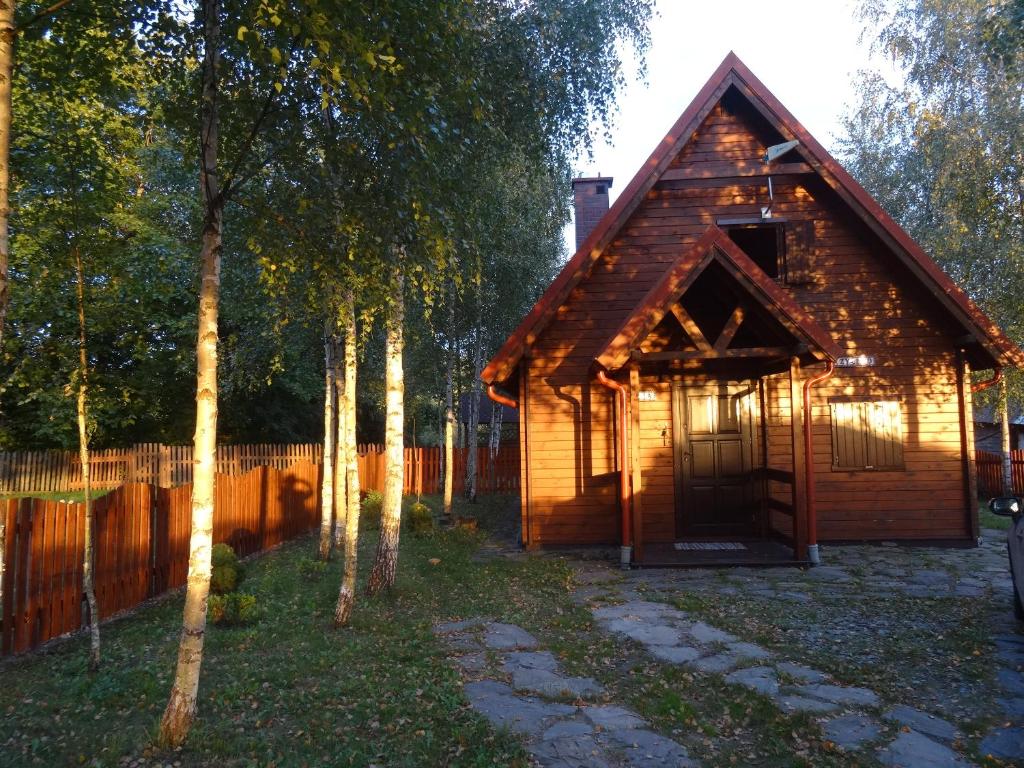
[
  {"x": 852, "y": 718},
  {"x": 1007, "y": 741},
  {"x": 564, "y": 721}
]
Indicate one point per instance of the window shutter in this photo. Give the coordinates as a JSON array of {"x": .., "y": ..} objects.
[
  {"x": 799, "y": 252},
  {"x": 867, "y": 435}
]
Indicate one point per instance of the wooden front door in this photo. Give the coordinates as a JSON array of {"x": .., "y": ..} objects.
[{"x": 713, "y": 447}]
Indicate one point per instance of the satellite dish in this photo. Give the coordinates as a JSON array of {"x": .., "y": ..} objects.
[{"x": 778, "y": 150}]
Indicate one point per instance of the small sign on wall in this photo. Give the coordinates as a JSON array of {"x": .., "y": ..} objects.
[
  {"x": 647, "y": 396},
  {"x": 856, "y": 361}
]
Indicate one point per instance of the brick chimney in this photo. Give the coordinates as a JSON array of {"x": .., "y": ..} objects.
[{"x": 590, "y": 202}]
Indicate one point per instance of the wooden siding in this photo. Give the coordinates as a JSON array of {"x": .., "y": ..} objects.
[{"x": 854, "y": 288}]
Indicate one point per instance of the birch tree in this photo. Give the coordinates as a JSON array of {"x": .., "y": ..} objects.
[
  {"x": 330, "y": 436},
  {"x": 347, "y": 593},
  {"x": 181, "y": 708},
  {"x": 385, "y": 564}
]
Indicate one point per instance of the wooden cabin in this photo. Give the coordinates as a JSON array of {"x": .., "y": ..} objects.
[{"x": 745, "y": 354}]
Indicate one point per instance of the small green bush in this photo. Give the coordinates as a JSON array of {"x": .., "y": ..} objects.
[
  {"x": 421, "y": 518},
  {"x": 312, "y": 570},
  {"x": 232, "y": 610},
  {"x": 223, "y": 554},
  {"x": 223, "y": 579},
  {"x": 227, "y": 571},
  {"x": 372, "y": 504}
]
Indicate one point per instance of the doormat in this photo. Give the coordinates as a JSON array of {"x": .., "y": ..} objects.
[{"x": 703, "y": 546}]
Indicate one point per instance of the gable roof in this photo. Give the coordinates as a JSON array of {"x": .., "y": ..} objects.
[
  {"x": 733, "y": 72},
  {"x": 714, "y": 245}
]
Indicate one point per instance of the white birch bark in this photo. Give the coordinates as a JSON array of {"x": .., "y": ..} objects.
[
  {"x": 340, "y": 444},
  {"x": 88, "y": 556},
  {"x": 385, "y": 565},
  {"x": 1004, "y": 417},
  {"x": 449, "y": 409},
  {"x": 347, "y": 594},
  {"x": 327, "y": 476},
  {"x": 181, "y": 708}
]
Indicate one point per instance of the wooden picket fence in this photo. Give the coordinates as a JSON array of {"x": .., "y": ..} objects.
[
  {"x": 423, "y": 470},
  {"x": 169, "y": 466},
  {"x": 141, "y": 545},
  {"x": 990, "y": 472}
]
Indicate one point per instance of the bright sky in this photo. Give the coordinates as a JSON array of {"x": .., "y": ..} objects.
[{"x": 805, "y": 51}]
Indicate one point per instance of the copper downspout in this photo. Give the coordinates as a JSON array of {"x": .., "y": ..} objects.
[
  {"x": 624, "y": 491},
  {"x": 997, "y": 376},
  {"x": 812, "y": 514},
  {"x": 499, "y": 398}
]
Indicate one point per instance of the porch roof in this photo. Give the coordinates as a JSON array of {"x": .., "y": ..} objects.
[{"x": 714, "y": 246}]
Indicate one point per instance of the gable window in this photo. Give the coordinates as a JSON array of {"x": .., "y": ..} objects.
[
  {"x": 763, "y": 243},
  {"x": 867, "y": 434}
]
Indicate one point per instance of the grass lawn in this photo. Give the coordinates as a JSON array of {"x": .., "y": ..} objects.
[
  {"x": 987, "y": 520},
  {"x": 58, "y": 495},
  {"x": 290, "y": 690}
]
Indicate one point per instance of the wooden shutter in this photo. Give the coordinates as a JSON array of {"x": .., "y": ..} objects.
[
  {"x": 867, "y": 435},
  {"x": 799, "y": 252}
]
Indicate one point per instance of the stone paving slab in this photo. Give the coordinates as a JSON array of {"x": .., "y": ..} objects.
[
  {"x": 922, "y": 722},
  {"x": 911, "y": 749},
  {"x": 851, "y": 732}
]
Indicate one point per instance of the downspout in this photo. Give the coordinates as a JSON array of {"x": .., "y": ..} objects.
[
  {"x": 499, "y": 398},
  {"x": 812, "y": 512},
  {"x": 626, "y": 551},
  {"x": 997, "y": 376}
]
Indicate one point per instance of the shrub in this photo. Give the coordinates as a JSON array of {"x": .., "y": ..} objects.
[
  {"x": 369, "y": 515},
  {"x": 421, "y": 518},
  {"x": 312, "y": 570},
  {"x": 227, "y": 571},
  {"x": 235, "y": 609},
  {"x": 223, "y": 554},
  {"x": 224, "y": 579}
]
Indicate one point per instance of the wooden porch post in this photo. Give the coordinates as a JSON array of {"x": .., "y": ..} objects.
[
  {"x": 634, "y": 449},
  {"x": 796, "y": 405},
  {"x": 970, "y": 468}
]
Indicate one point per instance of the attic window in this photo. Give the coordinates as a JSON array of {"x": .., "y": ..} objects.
[
  {"x": 601, "y": 189},
  {"x": 763, "y": 243}
]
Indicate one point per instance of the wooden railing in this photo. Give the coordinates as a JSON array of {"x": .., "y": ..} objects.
[
  {"x": 168, "y": 466},
  {"x": 141, "y": 545},
  {"x": 990, "y": 472}
]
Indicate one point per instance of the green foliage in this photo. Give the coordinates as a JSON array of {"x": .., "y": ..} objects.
[
  {"x": 233, "y": 610},
  {"x": 312, "y": 570},
  {"x": 370, "y": 508},
  {"x": 227, "y": 572},
  {"x": 941, "y": 152},
  {"x": 421, "y": 518},
  {"x": 223, "y": 554}
]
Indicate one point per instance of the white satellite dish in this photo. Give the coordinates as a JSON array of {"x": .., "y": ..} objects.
[{"x": 778, "y": 150}]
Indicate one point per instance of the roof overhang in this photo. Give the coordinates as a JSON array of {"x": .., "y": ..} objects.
[{"x": 734, "y": 73}]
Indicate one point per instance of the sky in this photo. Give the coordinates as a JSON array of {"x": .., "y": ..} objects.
[{"x": 805, "y": 51}]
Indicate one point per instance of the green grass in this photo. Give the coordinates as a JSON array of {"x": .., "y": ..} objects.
[
  {"x": 58, "y": 495},
  {"x": 988, "y": 520},
  {"x": 291, "y": 690}
]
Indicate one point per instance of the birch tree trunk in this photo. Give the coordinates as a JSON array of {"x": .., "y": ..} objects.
[
  {"x": 327, "y": 482},
  {"x": 88, "y": 557},
  {"x": 1004, "y": 417},
  {"x": 449, "y": 409},
  {"x": 474, "y": 416},
  {"x": 340, "y": 444},
  {"x": 385, "y": 565},
  {"x": 181, "y": 708},
  {"x": 7, "y": 33},
  {"x": 347, "y": 594}
]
